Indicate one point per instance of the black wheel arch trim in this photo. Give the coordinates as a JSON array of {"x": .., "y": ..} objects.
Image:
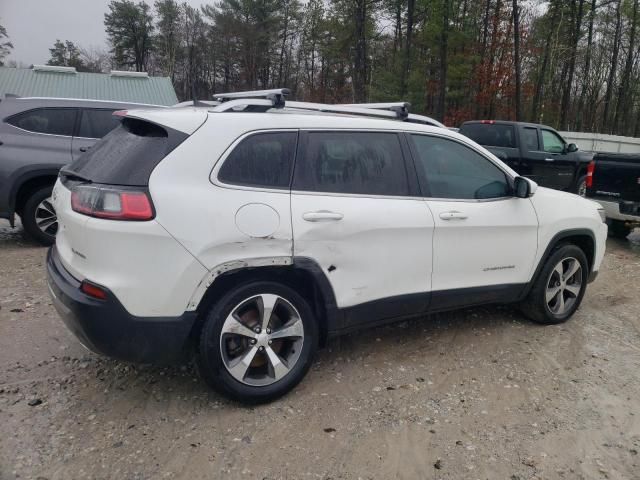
[
  {"x": 334, "y": 317},
  {"x": 555, "y": 241},
  {"x": 23, "y": 175}
]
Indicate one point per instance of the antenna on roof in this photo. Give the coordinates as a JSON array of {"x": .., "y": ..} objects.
[{"x": 276, "y": 96}]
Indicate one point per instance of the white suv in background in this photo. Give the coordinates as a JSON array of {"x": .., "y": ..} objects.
[{"x": 251, "y": 231}]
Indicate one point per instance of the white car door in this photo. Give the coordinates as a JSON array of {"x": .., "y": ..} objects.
[
  {"x": 356, "y": 212},
  {"x": 485, "y": 239}
]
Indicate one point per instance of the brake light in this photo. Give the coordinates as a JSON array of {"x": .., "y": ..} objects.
[
  {"x": 591, "y": 168},
  {"x": 488, "y": 122},
  {"x": 111, "y": 203},
  {"x": 93, "y": 290}
]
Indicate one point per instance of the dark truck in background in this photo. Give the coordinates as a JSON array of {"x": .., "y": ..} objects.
[
  {"x": 613, "y": 180},
  {"x": 534, "y": 151}
]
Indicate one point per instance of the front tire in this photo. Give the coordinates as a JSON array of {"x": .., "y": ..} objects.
[
  {"x": 559, "y": 288},
  {"x": 39, "y": 218},
  {"x": 258, "y": 342},
  {"x": 619, "y": 229}
]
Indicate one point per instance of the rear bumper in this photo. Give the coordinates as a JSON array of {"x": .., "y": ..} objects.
[
  {"x": 105, "y": 326},
  {"x": 612, "y": 210}
]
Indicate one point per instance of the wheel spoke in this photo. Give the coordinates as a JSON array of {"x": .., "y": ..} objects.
[
  {"x": 559, "y": 271},
  {"x": 47, "y": 222},
  {"x": 279, "y": 368},
  {"x": 294, "y": 329},
  {"x": 240, "y": 367},
  {"x": 266, "y": 306},
  {"x": 572, "y": 270},
  {"x": 560, "y": 304},
  {"x": 233, "y": 326},
  {"x": 552, "y": 292},
  {"x": 573, "y": 289},
  {"x": 47, "y": 207}
]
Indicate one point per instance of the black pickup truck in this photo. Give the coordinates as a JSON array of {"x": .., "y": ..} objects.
[
  {"x": 613, "y": 180},
  {"x": 534, "y": 151}
]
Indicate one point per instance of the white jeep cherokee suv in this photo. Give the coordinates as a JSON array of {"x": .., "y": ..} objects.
[{"x": 251, "y": 231}]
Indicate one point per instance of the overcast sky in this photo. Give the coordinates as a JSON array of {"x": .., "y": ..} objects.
[{"x": 34, "y": 25}]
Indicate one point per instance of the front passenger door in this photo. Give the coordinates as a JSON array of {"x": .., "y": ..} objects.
[
  {"x": 553, "y": 163},
  {"x": 485, "y": 239}
]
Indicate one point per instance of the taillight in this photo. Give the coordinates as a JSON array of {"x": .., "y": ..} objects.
[
  {"x": 111, "y": 203},
  {"x": 591, "y": 168}
]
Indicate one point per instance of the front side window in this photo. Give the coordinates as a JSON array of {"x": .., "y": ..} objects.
[
  {"x": 97, "y": 123},
  {"x": 365, "y": 163},
  {"x": 552, "y": 142},
  {"x": 53, "y": 121},
  {"x": 448, "y": 169},
  {"x": 261, "y": 160}
]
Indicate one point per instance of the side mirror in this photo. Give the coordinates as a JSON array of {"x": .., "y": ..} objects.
[
  {"x": 523, "y": 187},
  {"x": 572, "y": 147}
]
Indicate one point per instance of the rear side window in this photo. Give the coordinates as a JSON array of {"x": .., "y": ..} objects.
[
  {"x": 490, "y": 134},
  {"x": 531, "y": 139},
  {"x": 261, "y": 160},
  {"x": 448, "y": 169},
  {"x": 128, "y": 154},
  {"x": 53, "y": 121},
  {"x": 96, "y": 123},
  {"x": 364, "y": 163}
]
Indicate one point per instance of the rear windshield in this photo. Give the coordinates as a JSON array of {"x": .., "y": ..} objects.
[
  {"x": 490, "y": 134},
  {"x": 127, "y": 155}
]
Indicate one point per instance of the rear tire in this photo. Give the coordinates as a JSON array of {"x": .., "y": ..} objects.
[
  {"x": 581, "y": 186},
  {"x": 559, "y": 288},
  {"x": 258, "y": 342},
  {"x": 619, "y": 229},
  {"x": 39, "y": 218}
]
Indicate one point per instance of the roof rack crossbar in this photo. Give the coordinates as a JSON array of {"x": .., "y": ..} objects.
[
  {"x": 239, "y": 104},
  {"x": 275, "y": 95},
  {"x": 275, "y": 98}
]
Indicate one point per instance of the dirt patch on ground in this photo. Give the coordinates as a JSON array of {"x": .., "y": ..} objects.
[{"x": 479, "y": 393}]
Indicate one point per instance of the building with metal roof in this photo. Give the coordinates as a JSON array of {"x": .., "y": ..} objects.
[{"x": 66, "y": 82}]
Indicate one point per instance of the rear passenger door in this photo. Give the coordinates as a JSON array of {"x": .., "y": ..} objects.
[
  {"x": 93, "y": 125},
  {"x": 356, "y": 212},
  {"x": 485, "y": 239},
  {"x": 41, "y": 136}
]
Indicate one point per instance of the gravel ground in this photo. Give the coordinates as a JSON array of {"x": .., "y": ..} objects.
[{"x": 479, "y": 393}]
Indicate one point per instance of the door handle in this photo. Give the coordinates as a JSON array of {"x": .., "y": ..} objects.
[
  {"x": 322, "y": 216},
  {"x": 453, "y": 215},
  {"x": 84, "y": 149},
  {"x": 549, "y": 159}
]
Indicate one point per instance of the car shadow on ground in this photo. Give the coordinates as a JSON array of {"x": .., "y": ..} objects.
[{"x": 408, "y": 343}]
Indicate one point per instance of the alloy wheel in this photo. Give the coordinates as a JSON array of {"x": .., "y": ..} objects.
[
  {"x": 582, "y": 189},
  {"x": 564, "y": 286},
  {"x": 46, "y": 218},
  {"x": 261, "y": 340}
]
